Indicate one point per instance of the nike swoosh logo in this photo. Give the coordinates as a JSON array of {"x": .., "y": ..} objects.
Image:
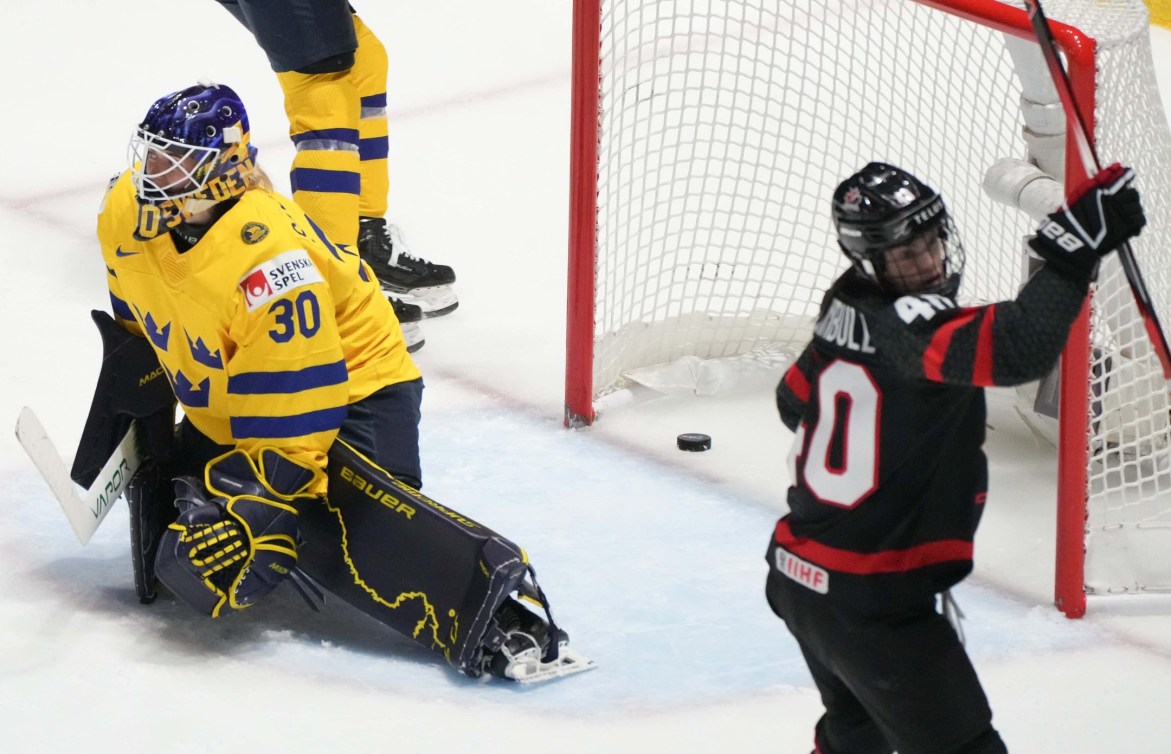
[{"x": 119, "y": 253}]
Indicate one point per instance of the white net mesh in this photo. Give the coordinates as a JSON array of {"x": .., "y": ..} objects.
[
  {"x": 1129, "y": 521},
  {"x": 724, "y": 127}
]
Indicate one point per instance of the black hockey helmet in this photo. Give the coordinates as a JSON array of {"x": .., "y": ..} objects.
[{"x": 897, "y": 232}]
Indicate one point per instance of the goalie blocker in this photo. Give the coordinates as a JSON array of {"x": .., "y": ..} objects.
[{"x": 132, "y": 389}]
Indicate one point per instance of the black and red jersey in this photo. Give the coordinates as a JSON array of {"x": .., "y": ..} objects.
[{"x": 888, "y": 473}]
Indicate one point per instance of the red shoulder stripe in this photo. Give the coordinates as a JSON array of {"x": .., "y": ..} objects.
[
  {"x": 935, "y": 354},
  {"x": 796, "y": 381},
  {"x": 982, "y": 368}
]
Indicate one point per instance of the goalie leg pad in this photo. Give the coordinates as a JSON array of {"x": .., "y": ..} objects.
[{"x": 410, "y": 562}]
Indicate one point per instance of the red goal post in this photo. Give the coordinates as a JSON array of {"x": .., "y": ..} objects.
[
  {"x": 708, "y": 134},
  {"x": 1069, "y": 594}
]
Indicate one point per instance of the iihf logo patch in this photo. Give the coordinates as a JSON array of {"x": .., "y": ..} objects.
[
  {"x": 803, "y": 572},
  {"x": 253, "y": 233},
  {"x": 853, "y": 199},
  {"x": 279, "y": 275}
]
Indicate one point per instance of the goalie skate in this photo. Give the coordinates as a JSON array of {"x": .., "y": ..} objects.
[
  {"x": 522, "y": 648},
  {"x": 527, "y": 666}
]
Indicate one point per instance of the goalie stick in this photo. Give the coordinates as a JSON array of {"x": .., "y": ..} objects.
[
  {"x": 1089, "y": 160},
  {"x": 85, "y": 515}
]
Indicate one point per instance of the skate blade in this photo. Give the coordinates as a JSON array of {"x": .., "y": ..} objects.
[
  {"x": 412, "y": 336},
  {"x": 527, "y": 667},
  {"x": 435, "y": 302}
]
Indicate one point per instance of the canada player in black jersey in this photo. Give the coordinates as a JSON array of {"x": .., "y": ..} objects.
[{"x": 889, "y": 478}]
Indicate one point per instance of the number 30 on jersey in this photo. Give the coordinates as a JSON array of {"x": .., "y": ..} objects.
[{"x": 301, "y": 315}]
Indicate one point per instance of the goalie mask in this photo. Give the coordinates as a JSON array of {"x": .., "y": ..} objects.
[
  {"x": 191, "y": 151},
  {"x": 897, "y": 232}
]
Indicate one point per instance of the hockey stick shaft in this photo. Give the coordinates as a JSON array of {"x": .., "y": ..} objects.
[
  {"x": 1089, "y": 159},
  {"x": 85, "y": 515}
]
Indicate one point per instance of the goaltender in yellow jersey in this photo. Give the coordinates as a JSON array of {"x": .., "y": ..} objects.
[
  {"x": 282, "y": 351},
  {"x": 266, "y": 330},
  {"x": 277, "y": 344}
]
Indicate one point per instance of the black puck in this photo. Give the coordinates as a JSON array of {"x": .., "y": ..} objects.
[{"x": 693, "y": 441}]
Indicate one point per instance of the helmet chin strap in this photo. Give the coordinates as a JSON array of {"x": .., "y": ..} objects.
[
  {"x": 195, "y": 207},
  {"x": 868, "y": 268}
]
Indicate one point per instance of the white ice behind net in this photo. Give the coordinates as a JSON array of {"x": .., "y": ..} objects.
[{"x": 724, "y": 128}]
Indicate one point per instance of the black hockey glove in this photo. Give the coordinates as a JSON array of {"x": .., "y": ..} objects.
[
  {"x": 131, "y": 387},
  {"x": 1101, "y": 215},
  {"x": 236, "y": 542}
]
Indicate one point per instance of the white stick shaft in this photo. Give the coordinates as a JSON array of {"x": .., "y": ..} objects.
[{"x": 84, "y": 515}]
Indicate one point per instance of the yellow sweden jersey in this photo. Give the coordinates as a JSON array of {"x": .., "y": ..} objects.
[{"x": 266, "y": 330}]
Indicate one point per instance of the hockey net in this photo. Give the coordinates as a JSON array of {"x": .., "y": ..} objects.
[{"x": 710, "y": 134}]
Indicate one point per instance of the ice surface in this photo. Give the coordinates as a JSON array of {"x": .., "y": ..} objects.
[{"x": 652, "y": 558}]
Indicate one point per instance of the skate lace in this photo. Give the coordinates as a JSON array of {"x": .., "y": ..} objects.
[{"x": 399, "y": 249}]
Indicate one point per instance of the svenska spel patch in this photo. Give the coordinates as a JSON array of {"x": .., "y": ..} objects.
[{"x": 279, "y": 275}]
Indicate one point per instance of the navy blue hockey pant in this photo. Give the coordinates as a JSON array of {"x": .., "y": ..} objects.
[
  {"x": 383, "y": 426},
  {"x": 297, "y": 33},
  {"x": 895, "y": 682}
]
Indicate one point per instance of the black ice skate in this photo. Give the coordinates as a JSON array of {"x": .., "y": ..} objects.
[
  {"x": 527, "y": 650},
  {"x": 409, "y": 316},
  {"x": 402, "y": 274}
]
